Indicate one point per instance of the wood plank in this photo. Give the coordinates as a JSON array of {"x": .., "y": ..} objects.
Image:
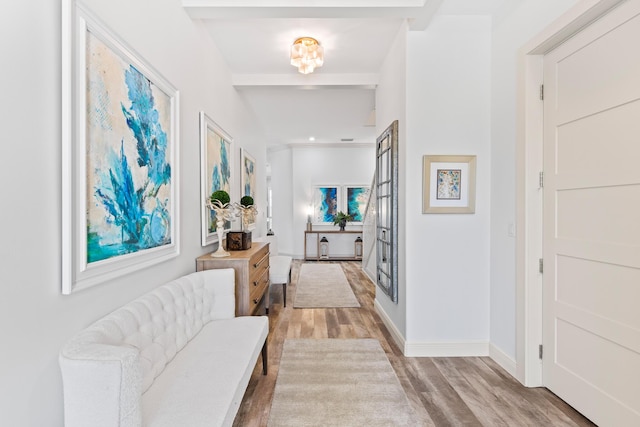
[{"x": 469, "y": 391}]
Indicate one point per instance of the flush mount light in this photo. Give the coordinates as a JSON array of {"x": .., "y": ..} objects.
[{"x": 306, "y": 54}]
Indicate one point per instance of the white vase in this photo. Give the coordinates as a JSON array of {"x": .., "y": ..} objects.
[{"x": 220, "y": 253}]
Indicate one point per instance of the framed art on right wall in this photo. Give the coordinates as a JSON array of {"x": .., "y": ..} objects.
[{"x": 449, "y": 184}]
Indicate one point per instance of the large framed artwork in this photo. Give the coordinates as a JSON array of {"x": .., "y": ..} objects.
[
  {"x": 248, "y": 179},
  {"x": 355, "y": 201},
  {"x": 449, "y": 184},
  {"x": 119, "y": 157},
  {"x": 325, "y": 200},
  {"x": 215, "y": 173}
]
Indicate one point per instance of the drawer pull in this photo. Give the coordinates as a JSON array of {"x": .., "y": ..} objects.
[{"x": 257, "y": 264}]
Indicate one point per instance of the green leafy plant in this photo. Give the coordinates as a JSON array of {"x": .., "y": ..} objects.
[
  {"x": 247, "y": 211},
  {"x": 342, "y": 218},
  {"x": 221, "y": 196},
  {"x": 246, "y": 201}
]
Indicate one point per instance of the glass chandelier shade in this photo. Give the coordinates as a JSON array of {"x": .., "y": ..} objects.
[{"x": 307, "y": 54}]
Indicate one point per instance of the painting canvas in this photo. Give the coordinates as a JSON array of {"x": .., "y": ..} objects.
[
  {"x": 325, "y": 203},
  {"x": 128, "y": 170},
  {"x": 449, "y": 184},
  {"x": 356, "y": 198},
  {"x": 119, "y": 168},
  {"x": 215, "y": 147},
  {"x": 248, "y": 179}
]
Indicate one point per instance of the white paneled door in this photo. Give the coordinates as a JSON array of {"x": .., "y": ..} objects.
[{"x": 592, "y": 219}]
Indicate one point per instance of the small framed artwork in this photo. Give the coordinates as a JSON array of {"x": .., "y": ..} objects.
[
  {"x": 449, "y": 184},
  {"x": 120, "y": 191},
  {"x": 355, "y": 201},
  {"x": 248, "y": 179},
  {"x": 215, "y": 173},
  {"x": 325, "y": 203}
]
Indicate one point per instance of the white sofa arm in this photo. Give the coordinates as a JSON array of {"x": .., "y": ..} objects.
[
  {"x": 221, "y": 283},
  {"x": 102, "y": 385}
]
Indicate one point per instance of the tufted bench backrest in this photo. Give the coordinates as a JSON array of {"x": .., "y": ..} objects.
[{"x": 158, "y": 324}]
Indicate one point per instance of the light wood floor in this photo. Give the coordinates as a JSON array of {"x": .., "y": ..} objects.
[{"x": 470, "y": 391}]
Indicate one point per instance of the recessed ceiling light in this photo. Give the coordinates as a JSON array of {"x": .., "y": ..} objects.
[{"x": 312, "y": 138}]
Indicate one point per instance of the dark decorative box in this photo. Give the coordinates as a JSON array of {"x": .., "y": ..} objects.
[{"x": 238, "y": 240}]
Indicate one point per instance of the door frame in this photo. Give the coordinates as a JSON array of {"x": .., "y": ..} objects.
[{"x": 529, "y": 164}]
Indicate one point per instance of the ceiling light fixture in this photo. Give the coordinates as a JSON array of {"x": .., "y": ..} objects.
[{"x": 306, "y": 54}]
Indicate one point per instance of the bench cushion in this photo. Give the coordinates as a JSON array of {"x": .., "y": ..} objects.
[
  {"x": 204, "y": 384},
  {"x": 279, "y": 267}
]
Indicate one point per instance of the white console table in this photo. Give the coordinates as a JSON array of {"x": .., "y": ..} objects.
[{"x": 309, "y": 241}]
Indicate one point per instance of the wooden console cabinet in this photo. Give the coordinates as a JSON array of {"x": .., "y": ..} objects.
[{"x": 252, "y": 275}]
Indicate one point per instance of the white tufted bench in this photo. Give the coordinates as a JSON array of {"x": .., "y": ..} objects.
[{"x": 176, "y": 356}]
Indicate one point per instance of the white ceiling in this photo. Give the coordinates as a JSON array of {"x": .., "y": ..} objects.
[{"x": 335, "y": 102}]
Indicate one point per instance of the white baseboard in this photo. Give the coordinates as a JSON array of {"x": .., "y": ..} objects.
[
  {"x": 502, "y": 359},
  {"x": 446, "y": 349},
  {"x": 395, "y": 333},
  {"x": 370, "y": 276},
  {"x": 452, "y": 349}
]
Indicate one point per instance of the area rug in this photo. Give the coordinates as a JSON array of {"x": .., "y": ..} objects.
[
  {"x": 323, "y": 285},
  {"x": 338, "y": 382}
]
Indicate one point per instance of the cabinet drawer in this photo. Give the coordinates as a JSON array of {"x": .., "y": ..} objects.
[
  {"x": 259, "y": 263},
  {"x": 251, "y": 272},
  {"x": 258, "y": 287}
]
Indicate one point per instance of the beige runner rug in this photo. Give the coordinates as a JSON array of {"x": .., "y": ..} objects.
[
  {"x": 338, "y": 382},
  {"x": 322, "y": 286}
]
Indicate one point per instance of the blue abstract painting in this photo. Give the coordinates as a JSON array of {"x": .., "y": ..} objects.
[
  {"x": 448, "y": 186},
  {"x": 248, "y": 181},
  {"x": 325, "y": 203},
  {"x": 128, "y": 168},
  {"x": 248, "y": 176},
  {"x": 357, "y": 198}
]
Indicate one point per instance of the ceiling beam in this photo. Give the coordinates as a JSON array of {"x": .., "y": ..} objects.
[
  {"x": 304, "y": 3},
  {"x": 198, "y": 12},
  {"x": 308, "y": 81},
  {"x": 419, "y": 11}
]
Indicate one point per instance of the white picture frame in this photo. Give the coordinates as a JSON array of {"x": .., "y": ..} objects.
[
  {"x": 355, "y": 198},
  {"x": 248, "y": 179},
  {"x": 120, "y": 190},
  {"x": 216, "y": 173},
  {"x": 326, "y": 202}
]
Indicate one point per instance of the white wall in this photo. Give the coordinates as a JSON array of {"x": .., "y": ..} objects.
[
  {"x": 282, "y": 198},
  {"x": 295, "y": 170},
  {"x": 456, "y": 84},
  {"x": 508, "y": 37},
  {"x": 448, "y": 107},
  {"x": 391, "y": 104},
  {"x": 35, "y": 319}
]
